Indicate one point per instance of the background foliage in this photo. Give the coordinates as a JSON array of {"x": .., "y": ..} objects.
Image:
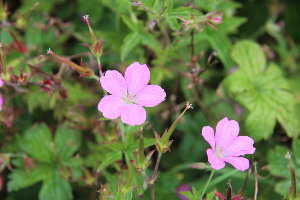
[{"x": 54, "y": 144}]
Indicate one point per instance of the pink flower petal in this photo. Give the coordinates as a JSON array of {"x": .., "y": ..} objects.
[
  {"x": 239, "y": 163},
  {"x": 150, "y": 96},
  {"x": 133, "y": 114},
  {"x": 209, "y": 136},
  {"x": 137, "y": 77},
  {"x": 226, "y": 132},
  {"x": 215, "y": 162},
  {"x": 240, "y": 146},
  {"x": 114, "y": 83},
  {"x": 111, "y": 106},
  {"x": 1, "y": 82}
]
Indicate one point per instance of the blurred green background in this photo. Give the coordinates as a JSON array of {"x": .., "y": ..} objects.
[{"x": 53, "y": 141}]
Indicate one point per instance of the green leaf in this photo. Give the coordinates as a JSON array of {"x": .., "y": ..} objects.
[
  {"x": 230, "y": 25},
  {"x": 55, "y": 187},
  {"x": 250, "y": 57},
  {"x": 66, "y": 142},
  {"x": 20, "y": 179},
  {"x": 130, "y": 41},
  {"x": 172, "y": 15},
  {"x": 150, "y": 41},
  {"x": 148, "y": 3},
  {"x": 222, "y": 45},
  {"x": 110, "y": 158},
  {"x": 263, "y": 91},
  {"x": 78, "y": 95},
  {"x": 260, "y": 123},
  {"x": 34, "y": 100},
  {"x": 279, "y": 166},
  {"x": 158, "y": 74},
  {"x": 36, "y": 143},
  {"x": 130, "y": 24},
  {"x": 127, "y": 196},
  {"x": 188, "y": 194}
]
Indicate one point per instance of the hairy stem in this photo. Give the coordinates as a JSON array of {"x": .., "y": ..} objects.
[
  {"x": 256, "y": 181},
  {"x": 154, "y": 175},
  {"x": 99, "y": 65},
  {"x": 207, "y": 183}
]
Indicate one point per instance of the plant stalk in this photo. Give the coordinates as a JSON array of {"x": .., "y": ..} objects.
[
  {"x": 207, "y": 183},
  {"x": 154, "y": 175}
]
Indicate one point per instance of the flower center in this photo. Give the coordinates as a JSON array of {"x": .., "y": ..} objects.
[
  {"x": 129, "y": 99},
  {"x": 220, "y": 152}
]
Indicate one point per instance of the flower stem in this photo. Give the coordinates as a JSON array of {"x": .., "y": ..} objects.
[
  {"x": 129, "y": 180},
  {"x": 141, "y": 146},
  {"x": 99, "y": 65},
  {"x": 121, "y": 129},
  {"x": 154, "y": 175},
  {"x": 207, "y": 183}
]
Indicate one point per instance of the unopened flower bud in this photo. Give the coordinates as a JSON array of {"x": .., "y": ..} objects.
[
  {"x": 83, "y": 69},
  {"x": 213, "y": 18},
  {"x": 23, "y": 19},
  {"x": 97, "y": 45}
]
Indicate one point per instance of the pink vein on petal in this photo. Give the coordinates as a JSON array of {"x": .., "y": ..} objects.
[
  {"x": 226, "y": 133},
  {"x": 150, "y": 96},
  {"x": 111, "y": 106},
  {"x": 137, "y": 76},
  {"x": 208, "y": 134},
  {"x": 239, "y": 163},
  {"x": 215, "y": 162},
  {"x": 114, "y": 83},
  {"x": 133, "y": 114}
]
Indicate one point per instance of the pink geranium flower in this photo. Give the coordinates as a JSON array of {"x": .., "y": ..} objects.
[
  {"x": 227, "y": 146},
  {"x": 129, "y": 94}
]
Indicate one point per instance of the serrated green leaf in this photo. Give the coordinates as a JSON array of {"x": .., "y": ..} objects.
[
  {"x": 279, "y": 166},
  {"x": 231, "y": 25},
  {"x": 19, "y": 179},
  {"x": 222, "y": 45},
  {"x": 250, "y": 57},
  {"x": 188, "y": 194},
  {"x": 117, "y": 5},
  {"x": 260, "y": 123},
  {"x": 55, "y": 187},
  {"x": 78, "y": 94},
  {"x": 150, "y": 41},
  {"x": 110, "y": 158},
  {"x": 263, "y": 91},
  {"x": 127, "y": 196},
  {"x": 130, "y": 41},
  {"x": 211, "y": 195},
  {"x": 183, "y": 12},
  {"x": 36, "y": 143},
  {"x": 158, "y": 74},
  {"x": 130, "y": 24},
  {"x": 172, "y": 15},
  {"x": 148, "y": 3},
  {"x": 36, "y": 99},
  {"x": 66, "y": 142}
]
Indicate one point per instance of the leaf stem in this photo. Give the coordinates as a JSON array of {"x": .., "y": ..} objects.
[
  {"x": 99, "y": 65},
  {"x": 121, "y": 129},
  {"x": 256, "y": 181},
  {"x": 207, "y": 183},
  {"x": 141, "y": 146},
  {"x": 154, "y": 175},
  {"x": 129, "y": 180}
]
